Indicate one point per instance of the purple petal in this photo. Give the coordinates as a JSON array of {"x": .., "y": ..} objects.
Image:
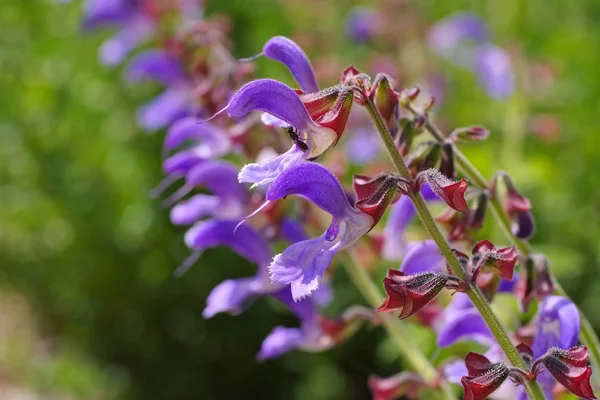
[
  {"x": 292, "y": 230},
  {"x": 467, "y": 325},
  {"x": 280, "y": 341},
  {"x": 450, "y": 37},
  {"x": 313, "y": 182},
  {"x": 115, "y": 50},
  {"x": 210, "y": 141},
  {"x": 105, "y": 12},
  {"x": 220, "y": 177},
  {"x": 245, "y": 241},
  {"x": 524, "y": 225},
  {"x": 455, "y": 370},
  {"x": 362, "y": 24},
  {"x": 274, "y": 98},
  {"x": 268, "y": 171},
  {"x": 494, "y": 70},
  {"x": 401, "y": 214},
  {"x": 157, "y": 65},
  {"x": 196, "y": 207},
  {"x": 231, "y": 296},
  {"x": 425, "y": 256},
  {"x": 291, "y": 55},
  {"x": 363, "y": 146},
  {"x": 302, "y": 265},
  {"x": 166, "y": 108},
  {"x": 558, "y": 325},
  {"x": 181, "y": 163},
  {"x": 303, "y": 309}
]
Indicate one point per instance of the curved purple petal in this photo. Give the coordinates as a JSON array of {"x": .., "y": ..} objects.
[
  {"x": 313, "y": 182},
  {"x": 166, "y": 108},
  {"x": 157, "y": 65},
  {"x": 280, "y": 341},
  {"x": 210, "y": 141},
  {"x": 231, "y": 296},
  {"x": 181, "y": 163},
  {"x": 494, "y": 70},
  {"x": 524, "y": 225},
  {"x": 196, "y": 207},
  {"x": 466, "y": 325},
  {"x": 220, "y": 177},
  {"x": 293, "y": 57},
  {"x": 423, "y": 257},
  {"x": 272, "y": 97},
  {"x": 302, "y": 265},
  {"x": 268, "y": 171},
  {"x": 245, "y": 241}
]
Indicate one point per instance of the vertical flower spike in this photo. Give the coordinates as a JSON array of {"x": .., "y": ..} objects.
[
  {"x": 374, "y": 195},
  {"x": 484, "y": 376},
  {"x": 293, "y": 57},
  {"x": 501, "y": 260},
  {"x": 411, "y": 292},
  {"x": 452, "y": 193},
  {"x": 302, "y": 264},
  {"x": 570, "y": 368}
]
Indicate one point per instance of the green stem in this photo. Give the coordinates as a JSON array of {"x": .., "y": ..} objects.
[
  {"x": 395, "y": 329},
  {"x": 588, "y": 335},
  {"x": 474, "y": 293}
]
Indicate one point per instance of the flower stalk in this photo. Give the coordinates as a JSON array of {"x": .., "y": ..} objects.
[
  {"x": 474, "y": 294},
  {"x": 588, "y": 335}
]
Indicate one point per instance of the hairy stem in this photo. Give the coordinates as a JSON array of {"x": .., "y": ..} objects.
[
  {"x": 474, "y": 293},
  {"x": 588, "y": 335},
  {"x": 397, "y": 331}
]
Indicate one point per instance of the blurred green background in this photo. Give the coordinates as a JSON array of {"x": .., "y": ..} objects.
[{"x": 89, "y": 308}]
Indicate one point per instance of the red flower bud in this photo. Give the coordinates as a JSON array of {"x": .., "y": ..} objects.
[
  {"x": 501, "y": 260},
  {"x": 570, "y": 368},
  {"x": 518, "y": 208},
  {"x": 411, "y": 292},
  {"x": 471, "y": 133},
  {"x": 526, "y": 353},
  {"x": 375, "y": 194},
  {"x": 330, "y": 107},
  {"x": 451, "y": 192},
  {"x": 484, "y": 377},
  {"x": 387, "y": 102}
]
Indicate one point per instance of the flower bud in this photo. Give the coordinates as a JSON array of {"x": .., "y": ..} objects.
[
  {"x": 451, "y": 192},
  {"x": 471, "y": 133},
  {"x": 374, "y": 195},
  {"x": 518, "y": 208},
  {"x": 484, "y": 376},
  {"x": 570, "y": 368},
  {"x": 386, "y": 100},
  {"x": 404, "y": 383},
  {"x": 502, "y": 260},
  {"x": 329, "y": 108},
  {"x": 412, "y": 292},
  {"x": 447, "y": 164},
  {"x": 526, "y": 353}
]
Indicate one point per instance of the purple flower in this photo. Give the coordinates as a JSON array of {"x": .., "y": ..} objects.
[
  {"x": 302, "y": 264},
  {"x": 207, "y": 141},
  {"x": 106, "y": 12},
  {"x": 402, "y": 213},
  {"x": 283, "y": 103},
  {"x": 361, "y": 24},
  {"x": 557, "y": 325},
  {"x": 293, "y": 57},
  {"x": 494, "y": 70},
  {"x": 452, "y": 37},
  {"x": 174, "y": 102},
  {"x": 461, "y": 321},
  {"x": 228, "y": 198}
]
